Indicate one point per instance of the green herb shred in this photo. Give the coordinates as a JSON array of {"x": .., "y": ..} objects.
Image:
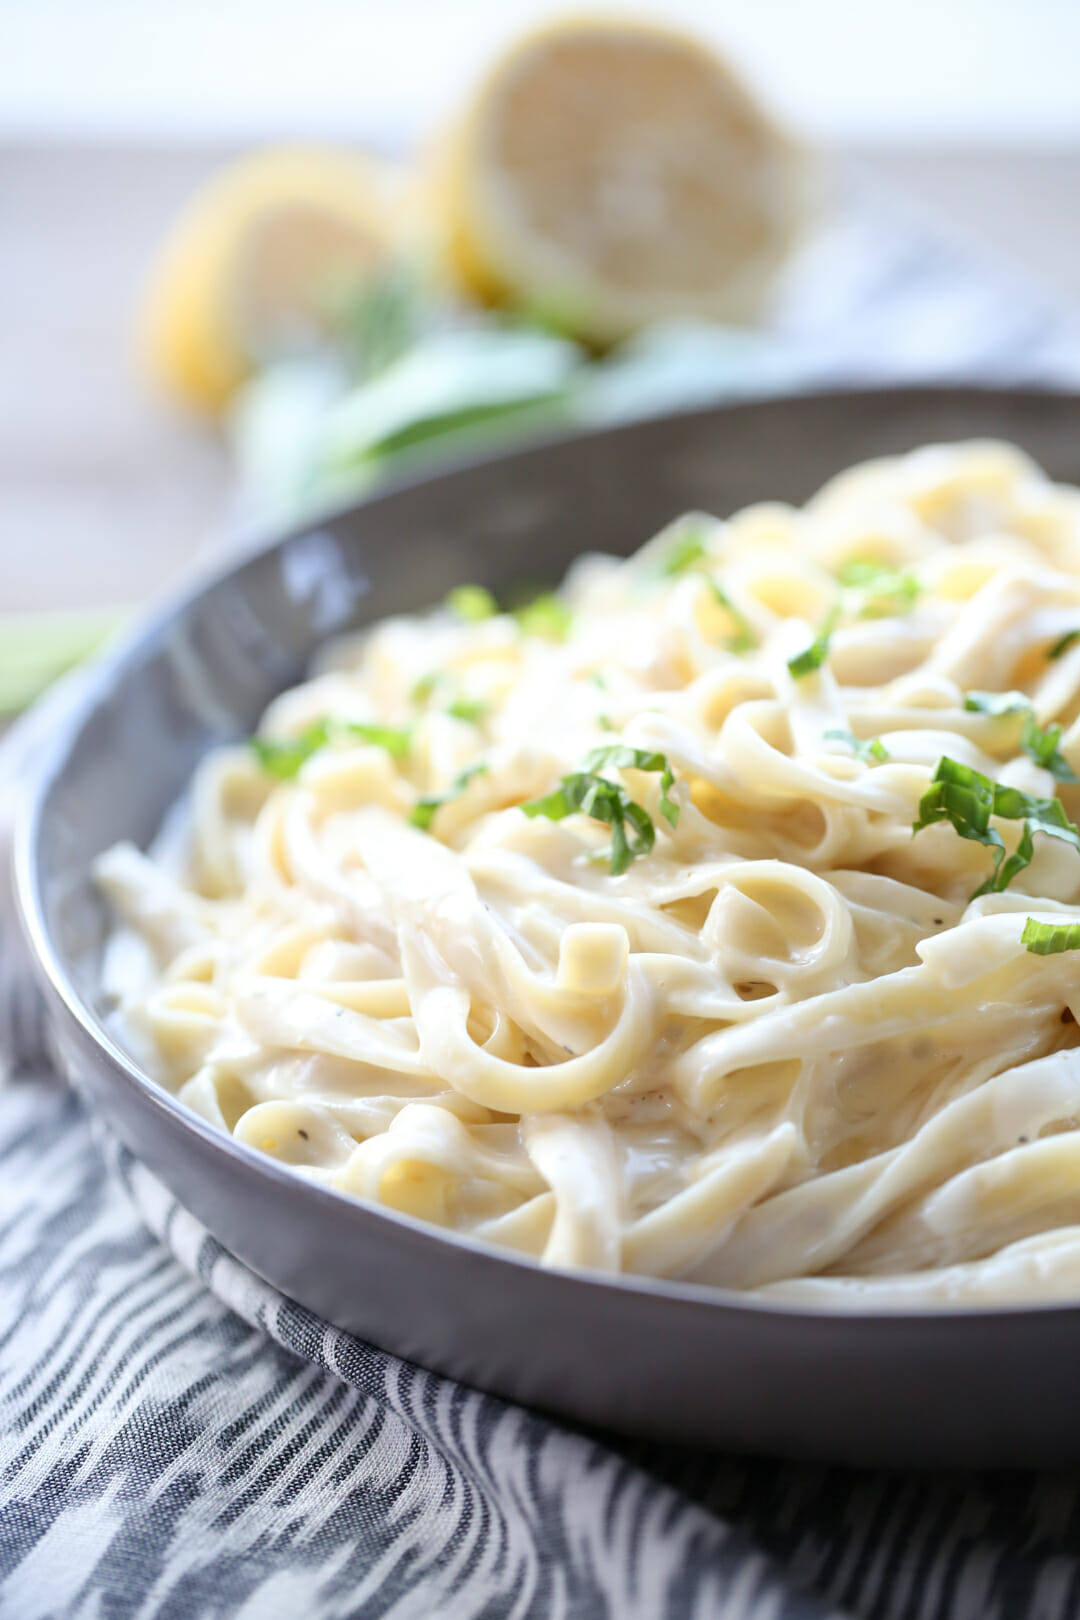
[
  {"x": 811, "y": 658},
  {"x": 685, "y": 551},
  {"x": 1040, "y": 743},
  {"x": 997, "y": 704},
  {"x": 587, "y": 793},
  {"x": 887, "y": 591},
  {"x": 425, "y": 687},
  {"x": 472, "y": 603},
  {"x": 744, "y": 639},
  {"x": 1050, "y": 939},
  {"x": 283, "y": 757},
  {"x": 619, "y": 757},
  {"x": 397, "y": 740},
  {"x": 1063, "y": 645},
  {"x": 632, "y": 831},
  {"x": 967, "y": 799},
  {"x": 873, "y": 748},
  {"x": 546, "y": 615},
  {"x": 424, "y": 810},
  {"x": 471, "y": 709}
]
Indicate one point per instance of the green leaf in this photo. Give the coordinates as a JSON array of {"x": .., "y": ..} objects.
[
  {"x": 397, "y": 740},
  {"x": 1042, "y": 815},
  {"x": 685, "y": 551},
  {"x": 470, "y": 709},
  {"x": 453, "y": 382},
  {"x": 546, "y": 615},
  {"x": 619, "y": 757},
  {"x": 997, "y": 704},
  {"x": 811, "y": 658},
  {"x": 968, "y": 799},
  {"x": 472, "y": 603},
  {"x": 963, "y": 796},
  {"x": 744, "y": 639},
  {"x": 425, "y": 686},
  {"x": 887, "y": 591},
  {"x": 424, "y": 810},
  {"x": 1005, "y": 870},
  {"x": 873, "y": 749},
  {"x": 1063, "y": 644},
  {"x": 283, "y": 757},
  {"x": 632, "y": 831},
  {"x": 1050, "y": 939},
  {"x": 587, "y": 793},
  {"x": 1041, "y": 744}
]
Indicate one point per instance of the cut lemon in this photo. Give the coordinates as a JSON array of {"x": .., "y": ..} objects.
[
  {"x": 251, "y": 266},
  {"x": 610, "y": 174}
]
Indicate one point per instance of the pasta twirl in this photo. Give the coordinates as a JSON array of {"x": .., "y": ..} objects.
[{"x": 716, "y": 919}]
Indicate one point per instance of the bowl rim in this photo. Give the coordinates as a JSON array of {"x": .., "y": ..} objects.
[{"x": 107, "y": 674}]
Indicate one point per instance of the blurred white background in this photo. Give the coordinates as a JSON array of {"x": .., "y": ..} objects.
[{"x": 861, "y": 71}]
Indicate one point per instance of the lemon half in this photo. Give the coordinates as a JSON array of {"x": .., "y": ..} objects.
[
  {"x": 248, "y": 269},
  {"x": 612, "y": 174}
]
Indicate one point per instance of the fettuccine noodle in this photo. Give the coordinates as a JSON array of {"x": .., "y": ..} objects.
[{"x": 707, "y": 1007}]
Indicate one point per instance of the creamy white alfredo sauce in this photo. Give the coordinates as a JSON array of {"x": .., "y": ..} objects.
[{"x": 707, "y": 1007}]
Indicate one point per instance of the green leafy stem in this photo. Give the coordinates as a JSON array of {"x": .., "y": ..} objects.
[
  {"x": 968, "y": 799},
  {"x": 586, "y": 792}
]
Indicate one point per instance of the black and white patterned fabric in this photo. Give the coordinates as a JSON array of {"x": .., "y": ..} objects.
[{"x": 177, "y": 1440}]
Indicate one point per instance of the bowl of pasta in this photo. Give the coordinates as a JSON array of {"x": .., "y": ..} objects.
[{"x": 604, "y": 922}]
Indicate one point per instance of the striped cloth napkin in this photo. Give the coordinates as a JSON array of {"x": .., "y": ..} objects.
[{"x": 179, "y": 1440}]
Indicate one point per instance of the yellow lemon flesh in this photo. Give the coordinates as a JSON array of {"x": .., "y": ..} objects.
[
  {"x": 248, "y": 269},
  {"x": 611, "y": 174}
]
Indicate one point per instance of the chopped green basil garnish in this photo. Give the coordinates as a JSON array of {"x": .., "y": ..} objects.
[
  {"x": 811, "y": 658},
  {"x": 283, "y": 757},
  {"x": 1063, "y": 645},
  {"x": 471, "y": 709},
  {"x": 424, "y": 810},
  {"x": 397, "y": 740},
  {"x": 874, "y": 748},
  {"x": 887, "y": 591},
  {"x": 472, "y": 603},
  {"x": 1040, "y": 743},
  {"x": 997, "y": 703},
  {"x": 426, "y": 685},
  {"x": 616, "y": 756},
  {"x": 584, "y": 792},
  {"x": 744, "y": 638},
  {"x": 964, "y": 797},
  {"x": 1050, "y": 939},
  {"x": 546, "y": 615},
  {"x": 685, "y": 551},
  {"x": 632, "y": 831}
]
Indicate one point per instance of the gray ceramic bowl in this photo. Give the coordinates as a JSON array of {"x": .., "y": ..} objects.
[{"x": 660, "y": 1359}]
